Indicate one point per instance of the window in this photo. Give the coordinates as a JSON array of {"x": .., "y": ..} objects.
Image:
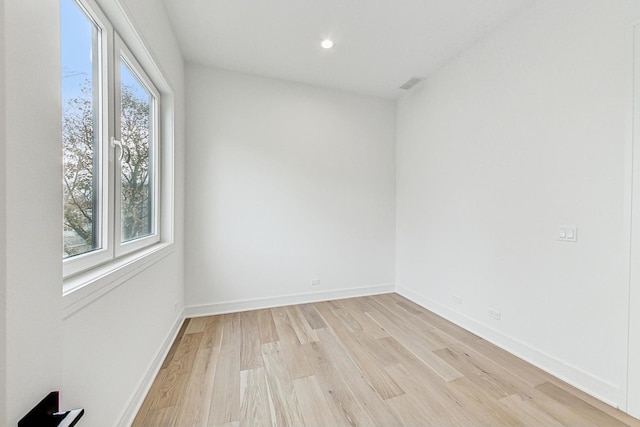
[
  {"x": 136, "y": 177},
  {"x": 111, "y": 137},
  {"x": 82, "y": 167}
]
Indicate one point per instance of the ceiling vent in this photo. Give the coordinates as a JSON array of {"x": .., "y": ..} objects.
[{"x": 411, "y": 82}]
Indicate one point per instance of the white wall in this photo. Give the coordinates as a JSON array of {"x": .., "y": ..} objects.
[
  {"x": 286, "y": 183},
  {"x": 528, "y": 130},
  {"x": 633, "y": 396},
  {"x": 33, "y": 205},
  {"x": 3, "y": 240},
  {"x": 98, "y": 356}
]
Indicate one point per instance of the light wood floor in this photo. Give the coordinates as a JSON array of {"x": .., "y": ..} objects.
[{"x": 379, "y": 360}]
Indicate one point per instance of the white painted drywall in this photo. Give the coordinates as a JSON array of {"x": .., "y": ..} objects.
[
  {"x": 286, "y": 183},
  {"x": 633, "y": 396},
  {"x": 3, "y": 239},
  {"x": 528, "y": 130},
  {"x": 100, "y": 355},
  {"x": 33, "y": 205},
  {"x": 110, "y": 344}
]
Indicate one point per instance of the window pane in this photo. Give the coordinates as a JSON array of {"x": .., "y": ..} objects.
[
  {"x": 137, "y": 183},
  {"x": 80, "y": 130}
]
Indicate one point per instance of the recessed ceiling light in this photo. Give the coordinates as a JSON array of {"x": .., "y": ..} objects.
[{"x": 327, "y": 44}]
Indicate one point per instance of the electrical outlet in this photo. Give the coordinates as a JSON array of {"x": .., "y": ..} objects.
[
  {"x": 568, "y": 233},
  {"x": 175, "y": 306},
  {"x": 457, "y": 299},
  {"x": 495, "y": 314},
  {"x": 315, "y": 282}
]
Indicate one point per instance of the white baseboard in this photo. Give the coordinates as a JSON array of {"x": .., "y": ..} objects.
[
  {"x": 129, "y": 414},
  {"x": 279, "y": 301},
  {"x": 596, "y": 387}
]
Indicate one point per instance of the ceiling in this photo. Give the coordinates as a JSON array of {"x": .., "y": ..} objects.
[{"x": 379, "y": 44}]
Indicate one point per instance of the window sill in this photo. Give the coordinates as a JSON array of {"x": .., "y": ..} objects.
[{"x": 81, "y": 290}]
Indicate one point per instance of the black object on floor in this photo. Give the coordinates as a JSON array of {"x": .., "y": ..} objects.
[{"x": 47, "y": 414}]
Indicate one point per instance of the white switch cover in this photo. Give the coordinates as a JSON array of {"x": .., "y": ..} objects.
[{"x": 568, "y": 233}]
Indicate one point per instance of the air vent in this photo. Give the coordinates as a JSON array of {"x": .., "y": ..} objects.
[{"x": 411, "y": 82}]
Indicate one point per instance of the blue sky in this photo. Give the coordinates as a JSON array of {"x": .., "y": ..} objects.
[
  {"x": 76, "y": 39},
  {"x": 76, "y": 51}
]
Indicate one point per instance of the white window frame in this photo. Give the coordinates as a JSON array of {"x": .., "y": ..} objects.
[
  {"x": 104, "y": 253},
  {"x": 125, "y": 54},
  {"x": 92, "y": 274}
]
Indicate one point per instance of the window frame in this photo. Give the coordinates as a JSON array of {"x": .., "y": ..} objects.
[
  {"x": 103, "y": 253},
  {"x": 155, "y": 152},
  {"x": 96, "y": 269}
]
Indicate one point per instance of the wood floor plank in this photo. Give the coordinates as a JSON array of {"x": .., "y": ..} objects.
[
  {"x": 335, "y": 303},
  {"x": 303, "y": 330},
  {"x": 268, "y": 331},
  {"x": 449, "y": 328},
  {"x": 432, "y": 403},
  {"x": 364, "y": 329},
  {"x": 212, "y": 334},
  {"x": 557, "y": 410},
  {"x": 281, "y": 392},
  {"x": 165, "y": 417},
  {"x": 491, "y": 381},
  {"x": 527, "y": 372},
  {"x": 369, "y": 361},
  {"x": 410, "y": 411},
  {"x": 598, "y": 404},
  {"x": 174, "y": 383},
  {"x": 176, "y": 343},
  {"x": 398, "y": 306},
  {"x": 436, "y": 328},
  {"x": 366, "y": 361},
  {"x": 440, "y": 403},
  {"x": 508, "y": 379},
  {"x": 148, "y": 401},
  {"x": 255, "y": 405},
  {"x": 313, "y": 403},
  {"x": 349, "y": 321},
  {"x": 435, "y": 390},
  {"x": 345, "y": 407},
  {"x": 296, "y": 361},
  {"x": 225, "y": 395},
  {"x": 579, "y": 406},
  {"x": 196, "y": 401},
  {"x": 476, "y": 400},
  {"x": 250, "y": 353},
  {"x": 357, "y": 308},
  {"x": 400, "y": 319},
  {"x": 529, "y": 413},
  {"x": 311, "y": 315},
  {"x": 423, "y": 350},
  {"x": 367, "y": 397},
  {"x": 196, "y": 324},
  {"x": 436, "y": 321},
  {"x": 499, "y": 379}
]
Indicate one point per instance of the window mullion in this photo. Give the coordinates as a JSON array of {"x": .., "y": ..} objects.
[
  {"x": 116, "y": 152},
  {"x": 106, "y": 131}
]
